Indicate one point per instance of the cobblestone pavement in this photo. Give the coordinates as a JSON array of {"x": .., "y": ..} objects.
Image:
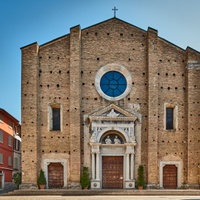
[{"x": 99, "y": 197}]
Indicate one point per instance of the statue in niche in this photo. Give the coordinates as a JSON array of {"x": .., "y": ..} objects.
[
  {"x": 116, "y": 140},
  {"x": 93, "y": 137},
  {"x": 136, "y": 107},
  {"x": 112, "y": 113},
  {"x": 126, "y": 130},
  {"x": 108, "y": 140},
  {"x": 99, "y": 129},
  {"x": 132, "y": 138}
]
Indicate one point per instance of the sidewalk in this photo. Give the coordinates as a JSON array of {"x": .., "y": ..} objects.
[
  {"x": 5, "y": 191},
  {"x": 103, "y": 192}
]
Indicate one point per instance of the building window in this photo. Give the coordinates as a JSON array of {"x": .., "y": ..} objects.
[
  {"x": 171, "y": 116},
  {"x": 16, "y": 164},
  {"x": 17, "y": 145},
  {"x": 9, "y": 160},
  {"x": 1, "y": 158},
  {"x": 55, "y": 117},
  {"x": 1, "y": 136},
  {"x": 10, "y": 124},
  {"x": 10, "y": 140},
  {"x": 113, "y": 82}
]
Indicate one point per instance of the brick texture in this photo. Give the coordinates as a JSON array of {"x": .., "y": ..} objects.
[{"x": 63, "y": 71}]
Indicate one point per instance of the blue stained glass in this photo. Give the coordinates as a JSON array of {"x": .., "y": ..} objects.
[
  {"x": 105, "y": 80},
  {"x": 104, "y": 88},
  {"x": 109, "y": 76},
  {"x": 122, "y": 80},
  {"x": 122, "y": 88},
  {"x": 109, "y": 93},
  {"x": 117, "y": 76},
  {"x": 113, "y": 83},
  {"x": 116, "y": 93}
]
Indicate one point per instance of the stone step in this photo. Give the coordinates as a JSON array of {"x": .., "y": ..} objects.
[{"x": 66, "y": 192}]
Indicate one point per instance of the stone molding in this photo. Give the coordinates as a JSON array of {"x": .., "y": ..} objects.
[
  {"x": 193, "y": 65},
  {"x": 178, "y": 164},
  {"x": 118, "y": 68},
  {"x": 111, "y": 120},
  {"x": 62, "y": 161}
]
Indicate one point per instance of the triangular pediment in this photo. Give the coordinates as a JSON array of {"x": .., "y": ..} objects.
[
  {"x": 113, "y": 22},
  {"x": 112, "y": 112}
]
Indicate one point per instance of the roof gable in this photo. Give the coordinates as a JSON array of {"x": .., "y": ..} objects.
[{"x": 112, "y": 20}]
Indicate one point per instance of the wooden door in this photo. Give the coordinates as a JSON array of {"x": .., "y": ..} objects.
[
  {"x": 55, "y": 175},
  {"x": 170, "y": 177},
  {"x": 112, "y": 172}
]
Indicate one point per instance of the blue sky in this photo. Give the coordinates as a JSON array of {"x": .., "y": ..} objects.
[{"x": 23, "y": 22}]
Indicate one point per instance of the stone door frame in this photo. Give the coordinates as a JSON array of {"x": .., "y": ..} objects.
[
  {"x": 178, "y": 164},
  {"x": 126, "y": 150},
  {"x": 63, "y": 162},
  {"x": 112, "y": 119}
]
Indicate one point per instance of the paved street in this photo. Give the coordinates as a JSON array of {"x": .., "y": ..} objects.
[{"x": 100, "y": 197}]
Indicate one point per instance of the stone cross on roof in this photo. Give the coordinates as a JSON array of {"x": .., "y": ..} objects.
[{"x": 115, "y": 9}]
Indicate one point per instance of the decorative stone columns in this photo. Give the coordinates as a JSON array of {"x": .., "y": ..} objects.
[
  {"x": 129, "y": 179},
  {"x": 115, "y": 123},
  {"x": 127, "y": 167},
  {"x": 95, "y": 182},
  {"x": 93, "y": 166},
  {"x": 97, "y": 166},
  {"x": 132, "y": 166}
]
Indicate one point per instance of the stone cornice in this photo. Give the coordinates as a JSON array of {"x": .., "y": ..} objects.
[{"x": 99, "y": 118}]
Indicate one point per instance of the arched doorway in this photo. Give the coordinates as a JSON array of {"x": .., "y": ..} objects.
[
  {"x": 112, "y": 165},
  {"x": 112, "y": 161}
]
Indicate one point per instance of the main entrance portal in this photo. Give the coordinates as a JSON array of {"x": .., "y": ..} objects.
[
  {"x": 112, "y": 172},
  {"x": 114, "y": 142}
]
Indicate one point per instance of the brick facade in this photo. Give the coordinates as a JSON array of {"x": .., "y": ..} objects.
[{"x": 63, "y": 72}]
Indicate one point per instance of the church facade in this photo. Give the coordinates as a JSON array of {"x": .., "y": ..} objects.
[{"x": 110, "y": 97}]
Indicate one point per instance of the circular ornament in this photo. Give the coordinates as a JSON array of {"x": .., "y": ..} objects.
[{"x": 113, "y": 82}]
